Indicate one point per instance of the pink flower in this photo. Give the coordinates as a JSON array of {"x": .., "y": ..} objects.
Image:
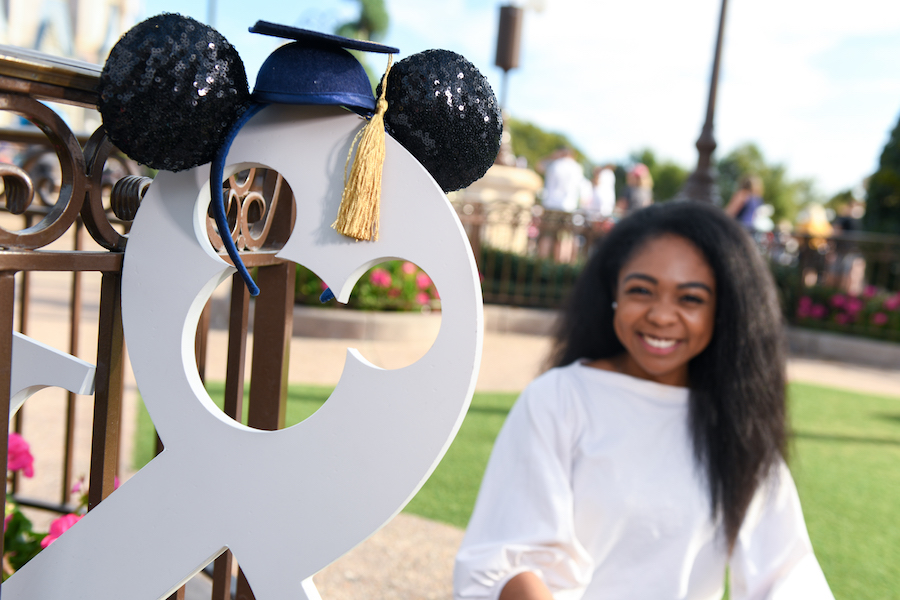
[
  {"x": 20, "y": 457},
  {"x": 879, "y": 318},
  {"x": 892, "y": 303},
  {"x": 409, "y": 268},
  {"x": 380, "y": 278},
  {"x": 805, "y": 302},
  {"x": 841, "y": 318},
  {"x": 423, "y": 281},
  {"x": 870, "y": 291},
  {"x": 423, "y": 298},
  {"x": 59, "y": 527},
  {"x": 853, "y": 305},
  {"x": 817, "y": 311},
  {"x": 838, "y": 300}
]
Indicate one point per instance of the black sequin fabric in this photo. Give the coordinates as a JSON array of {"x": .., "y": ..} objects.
[
  {"x": 170, "y": 91},
  {"x": 443, "y": 110}
]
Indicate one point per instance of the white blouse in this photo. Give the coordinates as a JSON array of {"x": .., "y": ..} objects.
[{"x": 592, "y": 484}]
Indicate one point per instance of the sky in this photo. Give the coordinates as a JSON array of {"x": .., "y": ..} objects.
[{"x": 815, "y": 84}]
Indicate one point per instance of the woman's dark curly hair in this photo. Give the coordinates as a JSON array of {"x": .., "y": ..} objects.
[{"x": 737, "y": 384}]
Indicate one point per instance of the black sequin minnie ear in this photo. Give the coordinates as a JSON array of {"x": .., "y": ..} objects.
[
  {"x": 443, "y": 110},
  {"x": 170, "y": 91}
]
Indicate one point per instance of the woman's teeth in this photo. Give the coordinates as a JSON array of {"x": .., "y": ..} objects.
[{"x": 658, "y": 342}]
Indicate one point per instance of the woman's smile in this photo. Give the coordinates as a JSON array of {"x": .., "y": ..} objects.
[{"x": 658, "y": 345}]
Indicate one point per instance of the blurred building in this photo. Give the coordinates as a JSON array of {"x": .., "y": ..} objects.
[{"x": 85, "y": 30}]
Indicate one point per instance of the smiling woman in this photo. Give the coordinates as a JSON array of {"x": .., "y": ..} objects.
[{"x": 651, "y": 458}]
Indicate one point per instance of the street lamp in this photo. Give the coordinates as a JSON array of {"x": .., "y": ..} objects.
[
  {"x": 509, "y": 39},
  {"x": 701, "y": 185}
]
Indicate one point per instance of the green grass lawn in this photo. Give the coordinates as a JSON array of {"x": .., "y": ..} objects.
[{"x": 845, "y": 459}]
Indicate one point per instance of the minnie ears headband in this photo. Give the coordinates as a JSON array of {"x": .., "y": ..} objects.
[{"x": 174, "y": 95}]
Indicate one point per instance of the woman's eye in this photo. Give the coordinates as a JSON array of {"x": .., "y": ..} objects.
[
  {"x": 637, "y": 290},
  {"x": 691, "y": 299}
]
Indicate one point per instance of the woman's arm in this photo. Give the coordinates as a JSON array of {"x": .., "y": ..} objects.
[
  {"x": 773, "y": 557},
  {"x": 523, "y": 518},
  {"x": 737, "y": 202},
  {"x": 525, "y": 586}
]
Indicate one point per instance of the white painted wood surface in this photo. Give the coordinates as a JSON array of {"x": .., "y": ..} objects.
[
  {"x": 287, "y": 502},
  {"x": 36, "y": 366}
]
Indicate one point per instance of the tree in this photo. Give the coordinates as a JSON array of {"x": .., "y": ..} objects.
[
  {"x": 535, "y": 144},
  {"x": 840, "y": 200},
  {"x": 668, "y": 176},
  {"x": 883, "y": 197},
  {"x": 372, "y": 24}
]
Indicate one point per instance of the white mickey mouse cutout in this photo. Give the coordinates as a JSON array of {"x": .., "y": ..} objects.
[{"x": 286, "y": 502}]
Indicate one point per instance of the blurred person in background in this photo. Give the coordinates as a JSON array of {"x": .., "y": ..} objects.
[
  {"x": 602, "y": 200},
  {"x": 564, "y": 182},
  {"x": 638, "y": 190},
  {"x": 746, "y": 201}
]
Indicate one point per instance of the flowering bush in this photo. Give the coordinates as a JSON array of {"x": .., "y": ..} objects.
[
  {"x": 20, "y": 541},
  {"x": 874, "y": 313},
  {"x": 394, "y": 285}
]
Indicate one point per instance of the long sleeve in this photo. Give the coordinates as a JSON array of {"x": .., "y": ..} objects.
[
  {"x": 773, "y": 558},
  {"x": 523, "y": 519}
]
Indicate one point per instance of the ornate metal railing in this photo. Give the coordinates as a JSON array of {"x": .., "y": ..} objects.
[
  {"x": 527, "y": 256},
  {"x": 56, "y": 184}
]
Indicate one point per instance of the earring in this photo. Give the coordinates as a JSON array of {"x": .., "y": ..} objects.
[{"x": 615, "y": 305}]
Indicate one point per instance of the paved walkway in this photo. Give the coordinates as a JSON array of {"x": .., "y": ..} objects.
[{"x": 411, "y": 557}]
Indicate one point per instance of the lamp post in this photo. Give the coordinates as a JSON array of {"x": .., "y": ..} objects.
[
  {"x": 701, "y": 185},
  {"x": 509, "y": 38}
]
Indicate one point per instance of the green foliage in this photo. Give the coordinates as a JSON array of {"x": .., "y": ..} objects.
[
  {"x": 668, "y": 176},
  {"x": 372, "y": 24},
  {"x": 535, "y": 144},
  {"x": 530, "y": 280},
  {"x": 874, "y": 314},
  {"x": 20, "y": 542},
  {"x": 449, "y": 495},
  {"x": 395, "y": 285},
  {"x": 883, "y": 197},
  {"x": 785, "y": 195},
  {"x": 840, "y": 199}
]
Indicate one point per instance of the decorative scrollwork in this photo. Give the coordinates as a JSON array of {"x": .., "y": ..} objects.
[
  {"x": 17, "y": 188},
  {"x": 127, "y": 194},
  {"x": 71, "y": 190},
  {"x": 256, "y": 202},
  {"x": 98, "y": 152}
]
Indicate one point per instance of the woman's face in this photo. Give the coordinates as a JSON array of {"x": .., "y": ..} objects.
[{"x": 666, "y": 305}]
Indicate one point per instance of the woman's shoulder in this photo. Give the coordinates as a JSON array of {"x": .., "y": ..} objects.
[{"x": 555, "y": 390}]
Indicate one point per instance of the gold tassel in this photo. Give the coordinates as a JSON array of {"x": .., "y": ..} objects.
[{"x": 361, "y": 200}]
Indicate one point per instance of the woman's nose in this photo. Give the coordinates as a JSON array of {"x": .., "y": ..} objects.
[{"x": 662, "y": 313}]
